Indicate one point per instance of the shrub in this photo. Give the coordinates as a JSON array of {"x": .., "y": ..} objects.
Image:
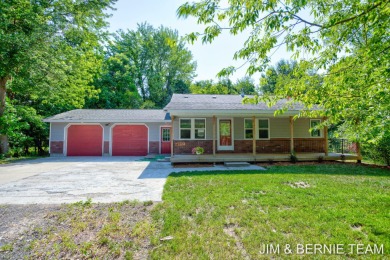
[
  {"x": 379, "y": 152},
  {"x": 293, "y": 158}
]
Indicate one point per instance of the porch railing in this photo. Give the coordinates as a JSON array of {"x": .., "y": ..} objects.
[{"x": 342, "y": 146}]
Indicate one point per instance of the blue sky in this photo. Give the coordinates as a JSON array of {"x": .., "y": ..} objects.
[{"x": 211, "y": 58}]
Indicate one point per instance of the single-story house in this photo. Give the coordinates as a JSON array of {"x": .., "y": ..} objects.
[{"x": 222, "y": 125}]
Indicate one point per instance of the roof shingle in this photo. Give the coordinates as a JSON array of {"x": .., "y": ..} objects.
[
  {"x": 220, "y": 102},
  {"x": 111, "y": 115}
]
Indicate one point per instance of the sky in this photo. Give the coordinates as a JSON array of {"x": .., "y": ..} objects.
[{"x": 210, "y": 58}]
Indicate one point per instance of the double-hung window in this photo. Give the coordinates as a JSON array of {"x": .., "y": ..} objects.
[
  {"x": 263, "y": 128},
  {"x": 192, "y": 128},
  {"x": 248, "y": 128},
  {"x": 315, "y": 132}
]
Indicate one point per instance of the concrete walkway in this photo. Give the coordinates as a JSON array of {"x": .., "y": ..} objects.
[{"x": 58, "y": 180}]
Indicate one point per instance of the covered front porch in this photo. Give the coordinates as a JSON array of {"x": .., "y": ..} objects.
[{"x": 270, "y": 157}]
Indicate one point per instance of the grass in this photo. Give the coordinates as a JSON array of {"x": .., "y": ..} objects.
[
  {"x": 232, "y": 215},
  {"x": 86, "y": 230},
  {"x": 4, "y": 160}
]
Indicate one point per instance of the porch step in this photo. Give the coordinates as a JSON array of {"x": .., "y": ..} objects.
[
  {"x": 236, "y": 164},
  {"x": 166, "y": 159}
]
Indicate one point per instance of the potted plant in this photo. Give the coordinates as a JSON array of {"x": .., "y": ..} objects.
[{"x": 197, "y": 150}]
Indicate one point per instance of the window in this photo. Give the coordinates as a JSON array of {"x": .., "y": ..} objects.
[
  {"x": 248, "y": 128},
  {"x": 185, "y": 128},
  {"x": 200, "y": 128},
  {"x": 313, "y": 124},
  {"x": 194, "y": 128},
  {"x": 263, "y": 129},
  {"x": 166, "y": 134}
]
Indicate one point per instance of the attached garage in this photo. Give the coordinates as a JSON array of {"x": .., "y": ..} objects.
[
  {"x": 84, "y": 140},
  {"x": 129, "y": 140}
]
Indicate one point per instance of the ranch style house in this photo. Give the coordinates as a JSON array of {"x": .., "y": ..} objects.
[{"x": 222, "y": 125}]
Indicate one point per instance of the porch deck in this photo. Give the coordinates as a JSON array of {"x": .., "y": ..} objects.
[{"x": 247, "y": 157}]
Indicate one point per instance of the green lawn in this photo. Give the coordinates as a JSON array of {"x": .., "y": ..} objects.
[{"x": 232, "y": 215}]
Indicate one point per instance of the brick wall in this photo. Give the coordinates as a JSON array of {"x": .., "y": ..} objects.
[
  {"x": 273, "y": 146},
  {"x": 185, "y": 146},
  {"x": 154, "y": 147},
  {"x": 316, "y": 145},
  {"x": 243, "y": 146},
  {"x": 56, "y": 147}
]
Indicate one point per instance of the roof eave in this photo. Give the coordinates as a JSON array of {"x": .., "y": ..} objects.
[
  {"x": 47, "y": 120},
  {"x": 226, "y": 112}
]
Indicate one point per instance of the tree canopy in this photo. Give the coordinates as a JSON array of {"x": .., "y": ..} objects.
[
  {"x": 49, "y": 52},
  {"x": 347, "y": 42},
  {"x": 143, "y": 68}
]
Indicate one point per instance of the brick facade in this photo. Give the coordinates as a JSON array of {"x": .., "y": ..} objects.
[
  {"x": 56, "y": 147},
  {"x": 243, "y": 146},
  {"x": 154, "y": 147},
  {"x": 302, "y": 145},
  {"x": 273, "y": 146},
  {"x": 276, "y": 145},
  {"x": 185, "y": 146}
]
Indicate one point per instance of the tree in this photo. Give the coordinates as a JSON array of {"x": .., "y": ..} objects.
[
  {"x": 269, "y": 79},
  {"x": 347, "y": 42},
  {"x": 152, "y": 62},
  {"x": 246, "y": 86},
  {"x": 222, "y": 86},
  {"x": 30, "y": 29}
]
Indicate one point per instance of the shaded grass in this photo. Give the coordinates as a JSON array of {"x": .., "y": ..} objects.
[
  {"x": 20, "y": 159},
  {"x": 232, "y": 215}
]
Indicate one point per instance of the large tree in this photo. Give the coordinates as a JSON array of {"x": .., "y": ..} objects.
[
  {"x": 348, "y": 42},
  {"x": 145, "y": 66},
  {"x": 47, "y": 37},
  {"x": 269, "y": 79}
]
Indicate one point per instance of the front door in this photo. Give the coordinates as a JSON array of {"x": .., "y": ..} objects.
[
  {"x": 225, "y": 134},
  {"x": 165, "y": 140}
]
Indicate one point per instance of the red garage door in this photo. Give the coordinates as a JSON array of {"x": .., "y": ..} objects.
[
  {"x": 85, "y": 140},
  {"x": 129, "y": 140}
]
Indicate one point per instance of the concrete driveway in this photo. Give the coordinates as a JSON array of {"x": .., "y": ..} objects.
[
  {"x": 71, "y": 179},
  {"x": 58, "y": 180}
]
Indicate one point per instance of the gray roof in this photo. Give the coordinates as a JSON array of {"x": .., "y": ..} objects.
[
  {"x": 111, "y": 115},
  {"x": 221, "y": 102}
]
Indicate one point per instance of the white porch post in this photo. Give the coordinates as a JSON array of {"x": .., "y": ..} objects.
[
  {"x": 253, "y": 136},
  {"x": 214, "y": 133},
  {"x": 326, "y": 138},
  {"x": 291, "y": 135}
]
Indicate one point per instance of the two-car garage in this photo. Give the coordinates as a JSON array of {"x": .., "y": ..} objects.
[
  {"x": 126, "y": 140},
  {"x": 109, "y": 132}
]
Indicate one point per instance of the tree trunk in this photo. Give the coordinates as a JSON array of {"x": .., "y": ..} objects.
[{"x": 3, "y": 138}]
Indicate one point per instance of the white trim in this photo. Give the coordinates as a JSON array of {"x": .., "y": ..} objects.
[
  {"x": 112, "y": 127},
  {"x": 315, "y": 119},
  {"x": 65, "y": 145},
  {"x": 50, "y": 139},
  {"x": 258, "y": 129},
  {"x": 140, "y": 121},
  {"x": 229, "y": 112},
  {"x": 192, "y": 129},
  {"x": 230, "y": 147},
  {"x": 253, "y": 130}
]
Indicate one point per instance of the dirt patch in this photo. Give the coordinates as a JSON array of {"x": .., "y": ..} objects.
[
  {"x": 298, "y": 184},
  {"x": 76, "y": 231},
  {"x": 268, "y": 164},
  {"x": 230, "y": 230}
]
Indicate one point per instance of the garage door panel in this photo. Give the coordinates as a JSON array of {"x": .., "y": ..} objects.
[
  {"x": 129, "y": 140},
  {"x": 84, "y": 140}
]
